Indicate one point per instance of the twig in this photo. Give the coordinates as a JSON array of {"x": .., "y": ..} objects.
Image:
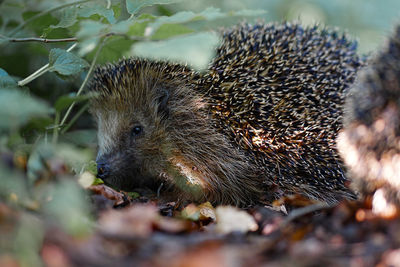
[
  {"x": 75, "y": 118},
  {"x": 45, "y": 12},
  {"x": 70, "y": 39},
  {"x": 55, "y": 130},
  {"x": 108, "y": 4},
  {"x": 42, "y": 40},
  {"x": 297, "y": 213}
]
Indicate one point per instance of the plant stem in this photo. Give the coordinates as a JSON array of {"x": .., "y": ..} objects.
[
  {"x": 45, "y": 12},
  {"x": 34, "y": 75},
  {"x": 108, "y": 4},
  {"x": 55, "y": 130},
  {"x": 41, "y": 71},
  {"x": 85, "y": 81},
  {"x": 75, "y": 118}
]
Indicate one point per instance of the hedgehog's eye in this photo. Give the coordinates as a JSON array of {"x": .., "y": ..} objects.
[{"x": 136, "y": 130}]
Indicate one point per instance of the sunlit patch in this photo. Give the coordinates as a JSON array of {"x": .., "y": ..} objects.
[
  {"x": 349, "y": 153},
  {"x": 361, "y": 130},
  {"x": 257, "y": 140},
  {"x": 86, "y": 179},
  {"x": 190, "y": 174},
  {"x": 108, "y": 127},
  {"x": 381, "y": 206},
  {"x": 199, "y": 103},
  {"x": 379, "y": 125}
]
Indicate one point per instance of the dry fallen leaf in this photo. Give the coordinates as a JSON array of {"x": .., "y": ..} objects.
[
  {"x": 108, "y": 193},
  {"x": 231, "y": 219},
  {"x": 191, "y": 212},
  {"x": 210, "y": 254},
  {"x": 134, "y": 221},
  {"x": 202, "y": 212},
  {"x": 172, "y": 225},
  {"x": 207, "y": 211},
  {"x": 294, "y": 201},
  {"x": 86, "y": 179}
]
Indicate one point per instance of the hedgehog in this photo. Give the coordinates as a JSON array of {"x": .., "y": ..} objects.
[
  {"x": 370, "y": 140},
  {"x": 258, "y": 124}
]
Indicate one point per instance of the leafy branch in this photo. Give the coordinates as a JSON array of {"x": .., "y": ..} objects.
[
  {"x": 90, "y": 71},
  {"x": 41, "y": 71},
  {"x": 45, "y": 12}
]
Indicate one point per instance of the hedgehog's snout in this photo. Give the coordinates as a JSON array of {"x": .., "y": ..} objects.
[
  {"x": 120, "y": 171},
  {"x": 103, "y": 169}
]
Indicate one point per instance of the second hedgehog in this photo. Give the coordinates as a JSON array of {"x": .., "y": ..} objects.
[{"x": 259, "y": 124}]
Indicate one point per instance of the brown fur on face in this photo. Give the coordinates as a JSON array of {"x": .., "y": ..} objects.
[{"x": 178, "y": 145}]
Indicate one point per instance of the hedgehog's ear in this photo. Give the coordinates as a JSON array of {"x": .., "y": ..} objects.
[{"x": 163, "y": 103}]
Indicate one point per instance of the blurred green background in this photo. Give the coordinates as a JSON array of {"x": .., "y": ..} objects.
[{"x": 369, "y": 21}]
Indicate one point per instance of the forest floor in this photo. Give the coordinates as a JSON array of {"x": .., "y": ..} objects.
[
  {"x": 144, "y": 230},
  {"x": 147, "y": 232}
]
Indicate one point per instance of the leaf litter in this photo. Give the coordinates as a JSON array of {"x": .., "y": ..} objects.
[{"x": 142, "y": 230}]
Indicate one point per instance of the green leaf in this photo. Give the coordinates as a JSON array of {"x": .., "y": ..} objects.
[
  {"x": 88, "y": 45},
  {"x": 3, "y": 72},
  {"x": 91, "y": 167},
  {"x": 65, "y": 101},
  {"x": 80, "y": 137},
  {"x": 97, "y": 181},
  {"x": 41, "y": 24},
  {"x": 212, "y": 13},
  {"x": 37, "y": 161},
  {"x": 195, "y": 49},
  {"x": 249, "y": 12},
  {"x": 12, "y": 182},
  {"x": 90, "y": 28},
  {"x": 211, "y": 17},
  {"x": 133, "y": 6},
  {"x": 11, "y": 10},
  {"x": 146, "y": 17},
  {"x": 179, "y": 17},
  {"x": 69, "y": 207},
  {"x": 68, "y": 18},
  {"x": 114, "y": 49},
  {"x": 65, "y": 63},
  {"x": 7, "y": 81},
  {"x": 121, "y": 27},
  {"x": 38, "y": 125},
  {"x": 132, "y": 194},
  {"x": 138, "y": 28},
  {"x": 208, "y": 14},
  {"x": 170, "y": 30},
  {"x": 97, "y": 8},
  {"x": 29, "y": 239},
  {"x": 73, "y": 156},
  {"x": 89, "y": 33},
  {"x": 16, "y": 108}
]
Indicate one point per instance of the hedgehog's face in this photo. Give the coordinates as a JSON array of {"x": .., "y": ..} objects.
[{"x": 131, "y": 149}]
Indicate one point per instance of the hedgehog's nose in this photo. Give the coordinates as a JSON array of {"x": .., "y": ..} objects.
[{"x": 103, "y": 169}]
